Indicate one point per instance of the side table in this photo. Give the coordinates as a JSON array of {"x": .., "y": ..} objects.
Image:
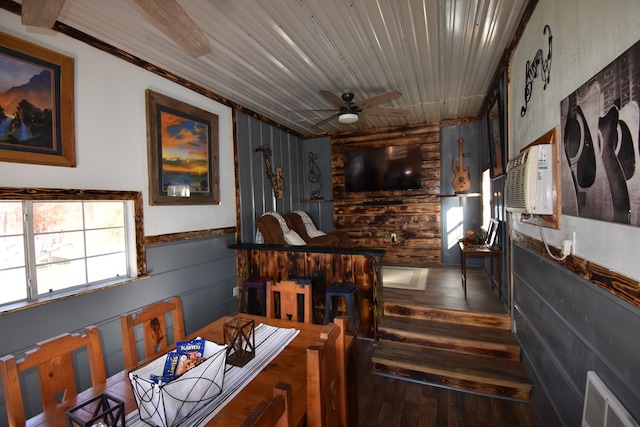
[{"x": 481, "y": 251}]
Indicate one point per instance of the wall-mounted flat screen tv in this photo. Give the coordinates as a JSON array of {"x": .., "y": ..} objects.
[{"x": 390, "y": 168}]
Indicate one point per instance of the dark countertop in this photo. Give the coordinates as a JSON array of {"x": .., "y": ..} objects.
[{"x": 305, "y": 248}]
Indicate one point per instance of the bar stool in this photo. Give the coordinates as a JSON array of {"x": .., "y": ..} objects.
[
  {"x": 348, "y": 291},
  {"x": 258, "y": 287}
]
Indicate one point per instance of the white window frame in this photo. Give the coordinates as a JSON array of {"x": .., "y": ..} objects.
[{"x": 134, "y": 228}]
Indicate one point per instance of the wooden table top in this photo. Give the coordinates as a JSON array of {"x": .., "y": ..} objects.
[
  {"x": 479, "y": 249},
  {"x": 289, "y": 366}
]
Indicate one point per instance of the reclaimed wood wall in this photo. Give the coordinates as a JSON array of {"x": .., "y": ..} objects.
[
  {"x": 322, "y": 268},
  {"x": 369, "y": 218}
]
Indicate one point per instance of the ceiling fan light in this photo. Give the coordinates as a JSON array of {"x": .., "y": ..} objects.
[{"x": 348, "y": 118}]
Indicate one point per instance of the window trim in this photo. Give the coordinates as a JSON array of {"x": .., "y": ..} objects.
[{"x": 57, "y": 194}]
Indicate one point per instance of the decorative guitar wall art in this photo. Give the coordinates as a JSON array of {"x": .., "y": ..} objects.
[
  {"x": 462, "y": 180},
  {"x": 277, "y": 182}
]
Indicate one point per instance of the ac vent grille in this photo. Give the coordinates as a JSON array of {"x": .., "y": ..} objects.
[
  {"x": 601, "y": 407},
  {"x": 515, "y": 195}
]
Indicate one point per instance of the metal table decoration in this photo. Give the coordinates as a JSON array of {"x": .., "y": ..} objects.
[
  {"x": 239, "y": 335},
  {"x": 102, "y": 410}
]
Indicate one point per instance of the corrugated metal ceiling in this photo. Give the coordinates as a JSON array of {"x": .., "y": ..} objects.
[{"x": 273, "y": 56}]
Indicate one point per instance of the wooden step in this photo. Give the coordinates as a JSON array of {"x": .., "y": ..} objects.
[
  {"x": 436, "y": 314},
  {"x": 477, "y": 374},
  {"x": 493, "y": 342}
]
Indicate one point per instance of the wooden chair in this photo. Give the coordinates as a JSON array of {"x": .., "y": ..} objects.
[
  {"x": 54, "y": 360},
  {"x": 274, "y": 412},
  {"x": 327, "y": 378},
  {"x": 153, "y": 321},
  {"x": 288, "y": 303}
]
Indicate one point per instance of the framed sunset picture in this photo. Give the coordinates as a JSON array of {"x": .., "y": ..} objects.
[
  {"x": 36, "y": 104},
  {"x": 182, "y": 152}
]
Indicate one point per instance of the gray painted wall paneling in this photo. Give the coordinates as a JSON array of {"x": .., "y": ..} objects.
[
  {"x": 288, "y": 152},
  {"x": 568, "y": 326}
]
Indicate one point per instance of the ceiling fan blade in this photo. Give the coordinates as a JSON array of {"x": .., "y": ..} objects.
[
  {"x": 41, "y": 13},
  {"x": 332, "y": 98},
  {"x": 172, "y": 20},
  {"x": 379, "y": 99},
  {"x": 390, "y": 112},
  {"x": 326, "y": 120}
]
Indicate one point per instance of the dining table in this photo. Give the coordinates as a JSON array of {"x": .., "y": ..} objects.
[{"x": 289, "y": 366}]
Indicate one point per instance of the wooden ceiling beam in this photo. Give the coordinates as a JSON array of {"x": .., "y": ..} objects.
[
  {"x": 41, "y": 13},
  {"x": 171, "y": 18}
]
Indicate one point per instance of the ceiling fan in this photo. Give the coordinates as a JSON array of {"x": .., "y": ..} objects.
[{"x": 349, "y": 111}]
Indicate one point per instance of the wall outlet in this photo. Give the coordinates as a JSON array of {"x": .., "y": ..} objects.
[
  {"x": 235, "y": 291},
  {"x": 394, "y": 237}
]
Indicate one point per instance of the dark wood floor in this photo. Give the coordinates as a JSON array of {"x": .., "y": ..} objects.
[
  {"x": 444, "y": 290},
  {"x": 384, "y": 401}
]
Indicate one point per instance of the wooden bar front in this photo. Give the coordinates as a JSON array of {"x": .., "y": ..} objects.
[{"x": 323, "y": 266}]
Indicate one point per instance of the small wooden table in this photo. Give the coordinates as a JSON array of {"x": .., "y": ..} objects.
[
  {"x": 481, "y": 251},
  {"x": 289, "y": 366}
]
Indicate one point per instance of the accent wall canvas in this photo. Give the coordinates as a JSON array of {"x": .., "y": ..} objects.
[{"x": 601, "y": 144}]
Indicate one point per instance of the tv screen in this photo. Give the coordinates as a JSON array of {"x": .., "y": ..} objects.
[{"x": 389, "y": 168}]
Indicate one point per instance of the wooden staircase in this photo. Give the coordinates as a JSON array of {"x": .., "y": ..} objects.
[{"x": 467, "y": 351}]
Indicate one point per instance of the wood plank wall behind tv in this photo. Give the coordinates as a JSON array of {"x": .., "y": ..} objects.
[{"x": 369, "y": 218}]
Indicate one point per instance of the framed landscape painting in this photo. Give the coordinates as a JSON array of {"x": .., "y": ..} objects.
[
  {"x": 36, "y": 104},
  {"x": 182, "y": 152}
]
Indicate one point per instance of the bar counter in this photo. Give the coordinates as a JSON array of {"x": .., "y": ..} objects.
[{"x": 323, "y": 265}]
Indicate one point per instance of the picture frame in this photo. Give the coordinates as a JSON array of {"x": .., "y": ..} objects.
[
  {"x": 495, "y": 122},
  {"x": 40, "y": 116},
  {"x": 182, "y": 152}
]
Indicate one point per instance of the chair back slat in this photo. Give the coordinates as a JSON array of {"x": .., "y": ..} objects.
[
  {"x": 154, "y": 326},
  {"x": 341, "y": 364},
  {"x": 323, "y": 380},
  {"x": 288, "y": 301},
  {"x": 54, "y": 360},
  {"x": 274, "y": 412},
  {"x": 56, "y": 379}
]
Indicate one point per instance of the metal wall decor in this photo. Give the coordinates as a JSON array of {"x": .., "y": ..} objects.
[
  {"x": 314, "y": 176},
  {"x": 531, "y": 71},
  {"x": 275, "y": 175}
]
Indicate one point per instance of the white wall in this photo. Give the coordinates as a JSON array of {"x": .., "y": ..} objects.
[
  {"x": 587, "y": 35},
  {"x": 111, "y": 142}
]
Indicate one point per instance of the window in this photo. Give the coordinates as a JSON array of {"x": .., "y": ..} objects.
[{"x": 56, "y": 244}]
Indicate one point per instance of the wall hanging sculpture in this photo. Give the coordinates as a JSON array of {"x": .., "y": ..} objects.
[
  {"x": 601, "y": 145},
  {"x": 314, "y": 176},
  {"x": 531, "y": 71},
  {"x": 275, "y": 176}
]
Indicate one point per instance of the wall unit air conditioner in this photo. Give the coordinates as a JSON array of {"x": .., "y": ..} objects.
[{"x": 529, "y": 183}]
